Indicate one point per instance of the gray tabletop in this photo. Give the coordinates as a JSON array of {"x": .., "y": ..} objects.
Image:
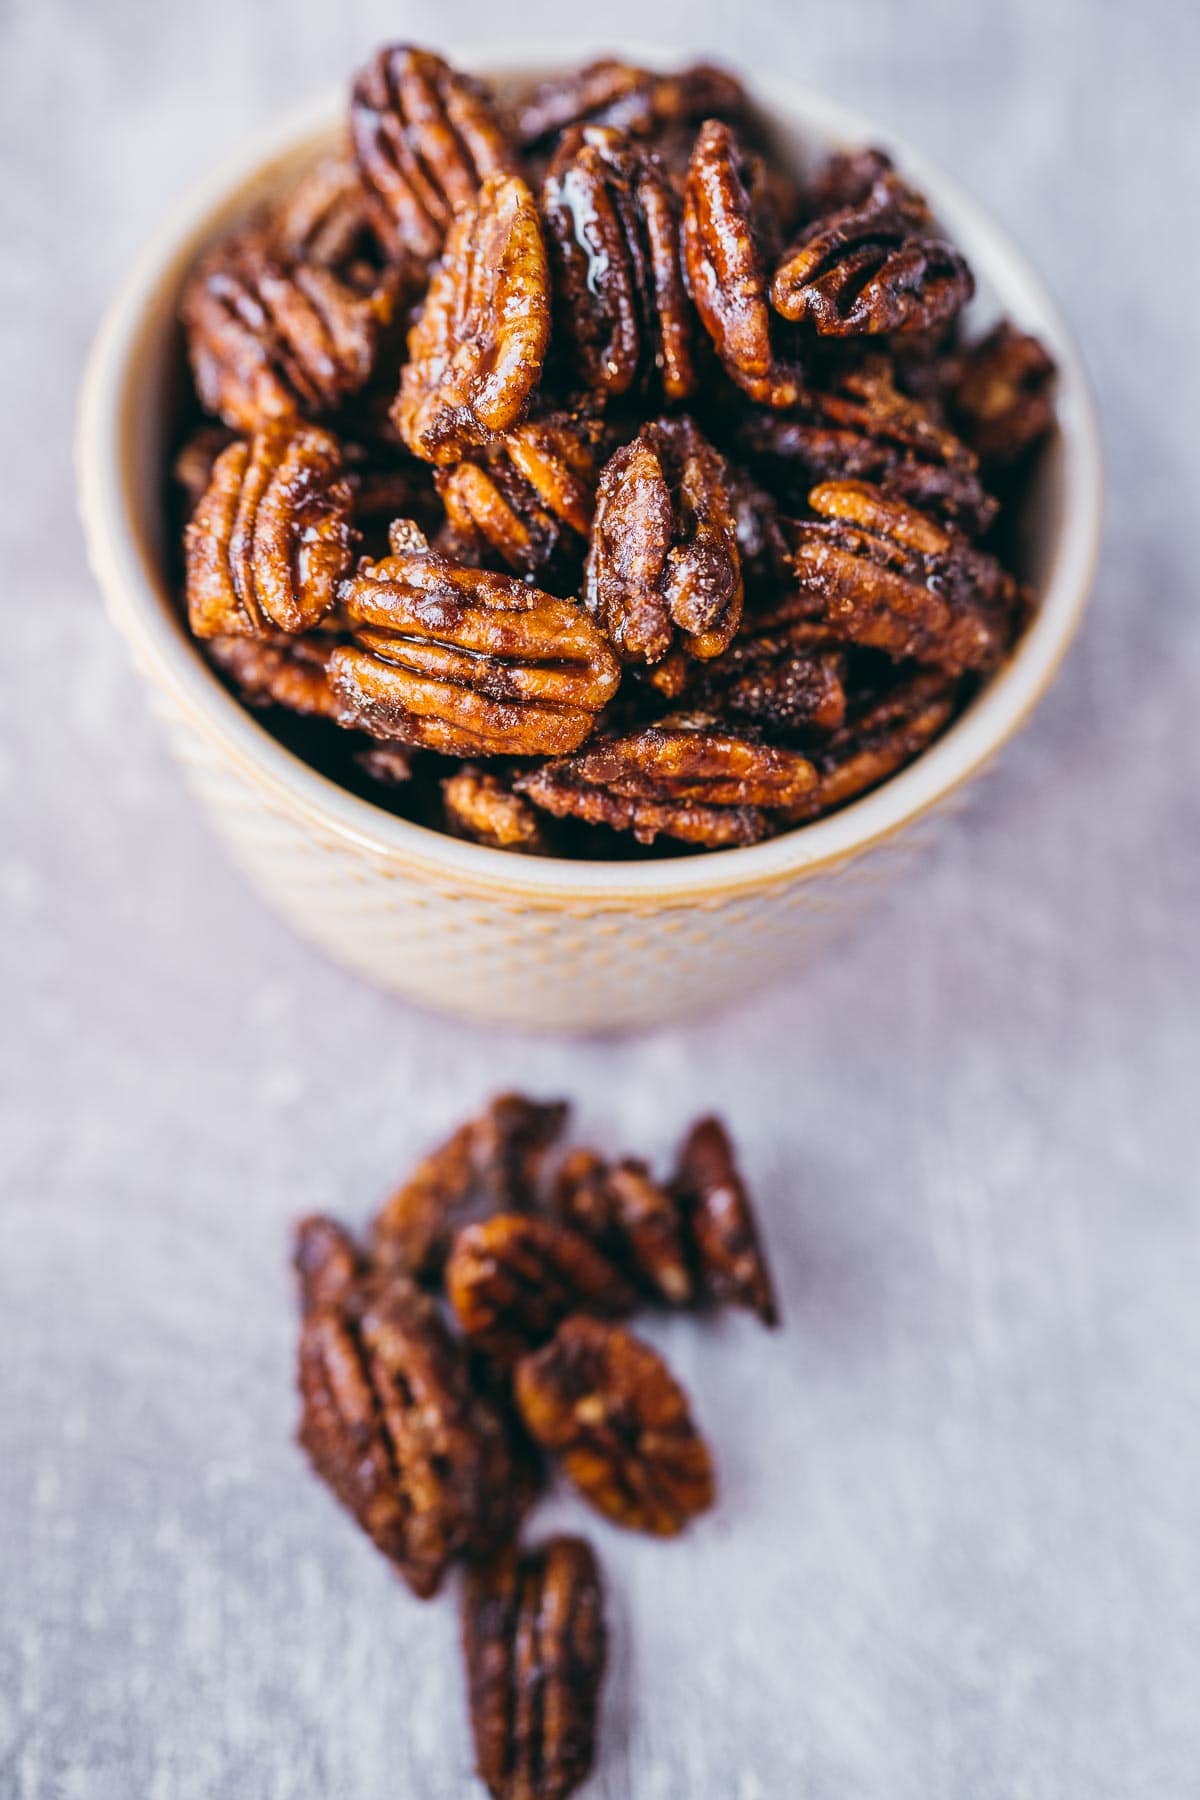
[{"x": 957, "y": 1552}]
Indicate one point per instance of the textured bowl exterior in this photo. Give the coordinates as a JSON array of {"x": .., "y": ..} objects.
[{"x": 484, "y": 934}]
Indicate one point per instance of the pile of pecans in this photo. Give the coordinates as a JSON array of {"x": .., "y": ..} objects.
[
  {"x": 471, "y": 1341},
  {"x": 585, "y": 478}
]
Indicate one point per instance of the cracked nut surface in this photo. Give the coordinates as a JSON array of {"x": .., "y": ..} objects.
[
  {"x": 612, "y": 228},
  {"x": 475, "y": 353},
  {"x": 664, "y": 567},
  {"x": 512, "y": 1279},
  {"x": 631, "y": 1217},
  {"x": 608, "y": 1407},
  {"x": 528, "y": 499},
  {"x": 469, "y": 662},
  {"x": 729, "y": 1256},
  {"x": 534, "y": 1644},
  {"x": 1003, "y": 397},
  {"x": 271, "y": 536}
]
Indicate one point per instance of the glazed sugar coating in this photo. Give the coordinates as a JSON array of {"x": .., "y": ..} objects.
[
  {"x": 480, "y": 804},
  {"x": 512, "y": 1279},
  {"x": 632, "y": 1218},
  {"x": 278, "y": 670},
  {"x": 729, "y": 1256},
  {"x": 528, "y": 500},
  {"x": 642, "y": 102}
]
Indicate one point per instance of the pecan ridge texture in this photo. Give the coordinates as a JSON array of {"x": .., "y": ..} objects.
[{"x": 512, "y": 1279}]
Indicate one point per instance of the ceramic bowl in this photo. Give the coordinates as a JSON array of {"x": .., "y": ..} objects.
[{"x": 537, "y": 942}]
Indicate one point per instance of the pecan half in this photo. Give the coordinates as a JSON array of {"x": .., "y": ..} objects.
[
  {"x": 426, "y": 137},
  {"x": 639, "y": 101},
  {"x": 790, "y": 679},
  {"x": 481, "y": 806},
  {"x": 390, "y": 1421},
  {"x": 682, "y": 778},
  {"x": 327, "y": 220},
  {"x": 1003, "y": 397},
  {"x": 270, "y": 337},
  {"x": 634, "y": 1220},
  {"x": 878, "y": 572},
  {"x": 729, "y": 235},
  {"x": 513, "y": 1279},
  {"x": 476, "y": 351},
  {"x": 195, "y": 460},
  {"x": 491, "y": 1163},
  {"x": 534, "y": 1644},
  {"x": 879, "y": 738},
  {"x": 612, "y": 225},
  {"x": 877, "y": 265},
  {"x": 729, "y": 1256},
  {"x": 608, "y": 1407},
  {"x": 327, "y": 1262},
  {"x": 272, "y": 536},
  {"x": 663, "y": 567},
  {"x": 277, "y": 670},
  {"x": 530, "y": 498},
  {"x": 469, "y": 662}
]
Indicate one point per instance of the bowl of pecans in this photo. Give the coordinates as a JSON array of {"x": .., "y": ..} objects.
[{"x": 577, "y": 524}]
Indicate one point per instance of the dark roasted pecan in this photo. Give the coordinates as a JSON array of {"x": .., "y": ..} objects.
[
  {"x": 881, "y": 736},
  {"x": 270, "y": 337},
  {"x": 475, "y": 353},
  {"x": 481, "y": 806},
  {"x": 861, "y": 428},
  {"x": 425, "y": 138},
  {"x": 272, "y": 536},
  {"x": 729, "y": 1257},
  {"x": 631, "y": 1217},
  {"x": 729, "y": 234},
  {"x": 194, "y": 462},
  {"x": 608, "y": 1407},
  {"x": 278, "y": 670},
  {"x": 682, "y": 778},
  {"x": 512, "y": 1280},
  {"x": 529, "y": 499},
  {"x": 612, "y": 226},
  {"x": 327, "y": 219},
  {"x": 492, "y": 1164},
  {"x": 875, "y": 571},
  {"x": 639, "y": 101},
  {"x": 844, "y": 179},
  {"x": 877, "y": 265},
  {"x": 791, "y": 678},
  {"x": 663, "y": 568},
  {"x": 469, "y": 662},
  {"x": 390, "y": 1420},
  {"x": 1003, "y": 397},
  {"x": 534, "y": 1644},
  {"x": 326, "y": 1260}
]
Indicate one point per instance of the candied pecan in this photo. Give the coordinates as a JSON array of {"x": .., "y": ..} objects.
[
  {"x": 482, "y": 806},
  {"x": 272, "y": 536},
  {"x": 876, "y": 571},
  {"x": 534, "y": 1644},
  {"x": 513, "y": 1279},
  {"x": 270, "y": 337},
  {"x": 845, "y": 179},
  {"x": 684, "y": 778},
  {"x": 631, "y": 1217},
  {"x": 469, "y": 662},
  {"x": 607, "y": 1405},
  {"x": 877, "y": 740},
  {"x": 529, "y": 499},
  {"x": 861, "y": 428},
  {"x": 1002, "y": 397},
  {"x": 729, "y": 1256},
  {"x": 612, "y": 227},
  {"x": 791, "y": 678},
  {"x": 194, "y": 461},
  {"x": 877, "y": 265},
  {"x": 326, "y": 1260},
  {"x": 729, "y": 237},
  {"x": 425, "y": 138},
  {"x": 663, "y": 565},
  {"x": 390, "y": 1420},
  {"x": 278, "y": 670},
  {"x": 491, "y": 1162},
  {"x": 639, "y": 101},
  {"x": 327, "y": 220},
  {"x": 475, "y": 353}
]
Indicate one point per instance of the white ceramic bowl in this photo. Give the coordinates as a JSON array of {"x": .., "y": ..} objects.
[{"x": 566, "y": 945}]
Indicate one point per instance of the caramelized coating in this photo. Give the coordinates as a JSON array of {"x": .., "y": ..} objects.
[
  {"x": 875, "y": 571},
  {"x": 790, "y": 679},
  {"x": 469, "y": 662},
  {"x": 729, "y": 1256},
  {"x": 641, "y": 102},
  {"x": 608, "y": 1407},
  {"x": 425, "y": 138},
  {"x": 528, "y": 500},
  {"x": 844, "y": 179},
  {"x": 728, "y": 247},
  {"x": 326, "y": 1260},
  {"x": 327, "y": 220},
  {"x": 612, "y": 225},
  {"x": 683, "y": 778},
  {"x": 877, "y": 265},
  {"x": 862, "y": 428},
  {"x": 634, "y": 1220},
  {"x": 482, "y": 806},
  {"x": 277, "y": 670},
  {"x": 270, "y": 338},
  {"x": 534, "y": 1644},
  {"x": 390, "y": 1421},
  {"x": 883, "y": 735},
  {"x": 475, "y": 353},
  {"x": 1003, "y": 397},
  {"x": 491, "y": 1163},
  {"x": 271, "y": 537},
  {"x": 664, "y": 568},
  {"x": 513, "y": 1279}
]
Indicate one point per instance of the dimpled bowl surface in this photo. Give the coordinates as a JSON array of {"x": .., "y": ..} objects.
[{"x": 564, "y": 945}]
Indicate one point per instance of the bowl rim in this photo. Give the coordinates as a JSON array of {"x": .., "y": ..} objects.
[{"x": 123, "y": 559}]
